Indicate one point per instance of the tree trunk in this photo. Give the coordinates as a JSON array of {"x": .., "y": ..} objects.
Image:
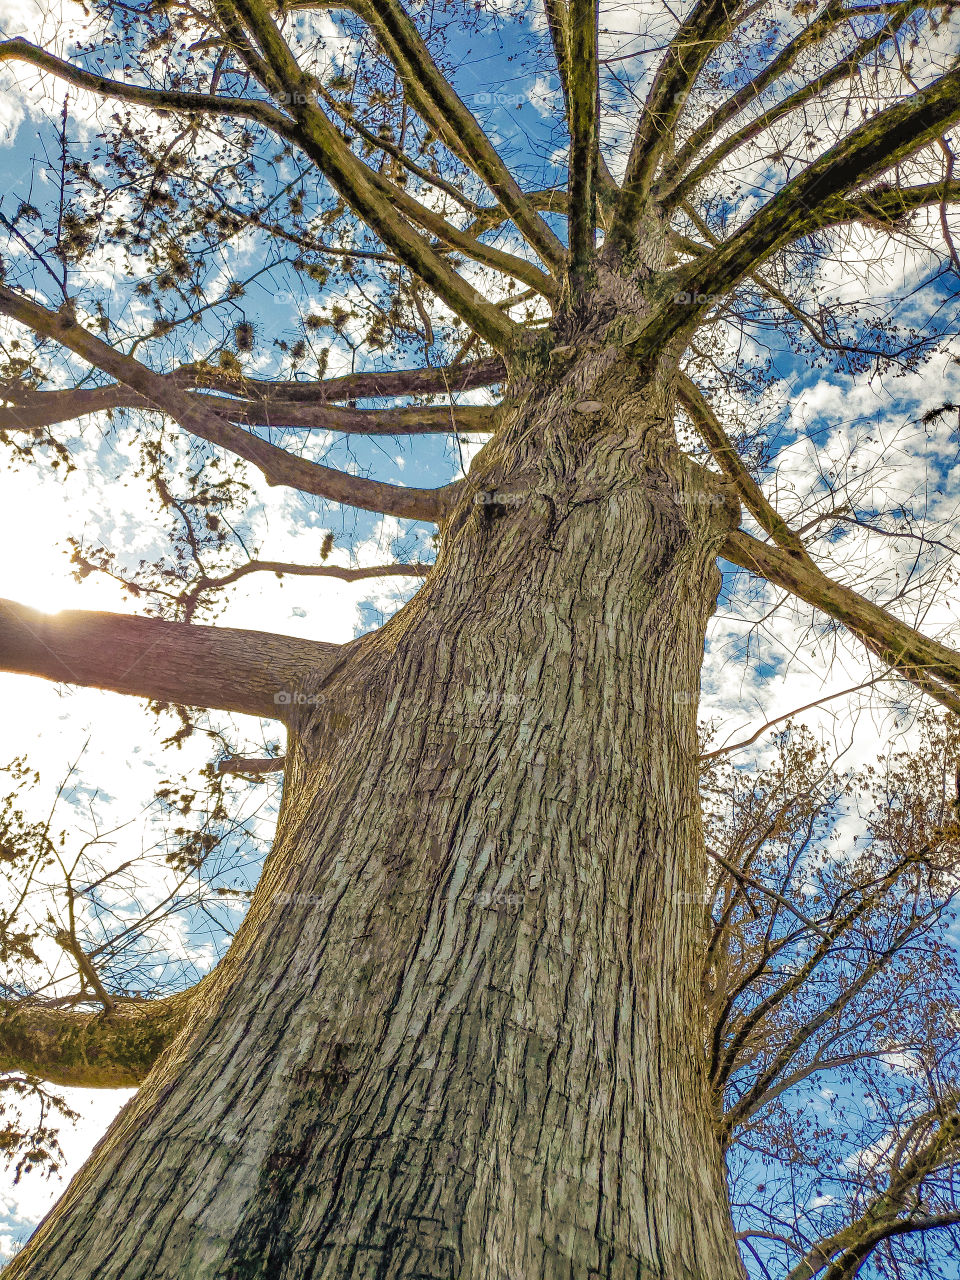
[{"x": 460, "y": 1034}]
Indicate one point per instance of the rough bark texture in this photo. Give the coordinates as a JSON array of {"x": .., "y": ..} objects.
[{"x": 460, "y": 1034}]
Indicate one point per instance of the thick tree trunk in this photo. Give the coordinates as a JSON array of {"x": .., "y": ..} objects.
[{"x": 460, "y": 1034}]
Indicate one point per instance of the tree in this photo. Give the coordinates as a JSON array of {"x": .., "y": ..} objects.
[{"x": 462, "y": 1029}]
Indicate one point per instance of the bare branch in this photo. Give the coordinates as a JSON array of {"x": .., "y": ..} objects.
[
  {"x": 708, "y": 24},
  {"x": 311, "y": 130},
  {"x": 730, "y": 463},
  {"x": 246, "y": 766},
  {"x": 926, "y": 663},
  {"x": 40, "y": 409},
  {"x": 163, "y": 393},
  {"x": 438, "y": 104},
  {"x": 217, "y": 667},
  {"x": 800, "y": 206},
  {"x": 65, "y": 939},
  {"x": 844, "y": 68}
]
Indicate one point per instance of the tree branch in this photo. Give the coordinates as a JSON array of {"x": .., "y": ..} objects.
[
  {"x": 164, "y": 394},
  {"x": 844, "y": 68},
  {"x": 359, "y": 386},
  {"x": 730, "y": 463},
  {"x": 313, "y": 132},
  {"x": 89, "y": 1050},
  {"x": 820, "y": 27},
  {"x": 248, "y": 766},
  {"x": 583, "y": 91},
  {"x": 438, "y": 104},
  {"x": 248, "y": 672},
  {"x": 707, "y": 25},
  {"x": 926, "y": 663},
  {"x": 873, "y": 147},
  {"x": 41, "y": 409}
]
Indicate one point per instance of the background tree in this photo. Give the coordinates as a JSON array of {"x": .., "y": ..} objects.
[{"x": 462, "y": 1029}]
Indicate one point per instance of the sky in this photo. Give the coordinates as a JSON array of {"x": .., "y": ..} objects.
[{"x": 826, "y": 427}]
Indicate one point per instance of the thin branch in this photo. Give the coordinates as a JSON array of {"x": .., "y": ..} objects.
[
  {"x": 311, "y": 129},
  {"x": 705, "y": 28},
  {"x": 88, "y": 973},
  {"x": 788, "y": 715}
]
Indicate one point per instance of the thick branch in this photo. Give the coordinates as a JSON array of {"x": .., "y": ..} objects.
[
  {"x": 583, "y": 90},
  {"x": 881, "y": 206},
  {"x": 362, "y": 386},
  {"x": 89, "y": 1050},
  {"x": 820, "y": 27},
  {"x": 250, "y": 672},
  {"x": 708, "y": 24},
  {"x": 163, "y": 393},
  {"x": 875, "y": 146},
  {"x": 884, "y": 1216},
  {"x": 438, "y": 104},
  {"x": 729, "y": 461},
  {"x": 930, "y": 665},
  {"x": 41, "y": 409},
  {"x": 250, "y": 767}
]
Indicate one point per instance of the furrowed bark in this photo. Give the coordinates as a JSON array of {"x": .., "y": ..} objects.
[
  {"x": 277, "y": 466},
  {"x": 252, "y": 672},
  {"x": 77, "y": 1049},
  {"x": 461, "y": 1029}
]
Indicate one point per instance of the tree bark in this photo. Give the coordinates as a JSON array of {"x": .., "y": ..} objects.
[
  {"x": 252, "y": 672},
  {"x": 460, "y": 1033},
  {"x": 86, "y": 1050}
]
